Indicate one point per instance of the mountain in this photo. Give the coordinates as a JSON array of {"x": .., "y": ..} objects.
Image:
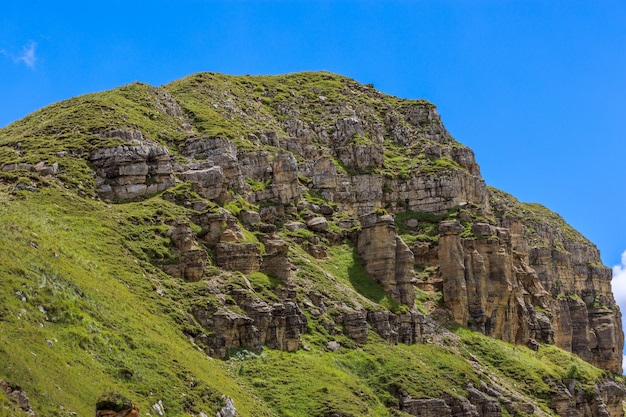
[{"x": 296, "y": 245}]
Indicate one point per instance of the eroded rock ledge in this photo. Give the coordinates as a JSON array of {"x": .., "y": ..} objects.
[{"x": 506, "y": 269}]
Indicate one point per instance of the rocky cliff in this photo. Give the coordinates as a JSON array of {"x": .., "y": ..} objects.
[{"x": 276, "y": 179}]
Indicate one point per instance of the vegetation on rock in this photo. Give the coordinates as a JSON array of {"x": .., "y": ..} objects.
[{"x": 210, "y": 244}]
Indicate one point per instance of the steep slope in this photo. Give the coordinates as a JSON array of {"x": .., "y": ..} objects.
[{"x": 334, "y": 244}]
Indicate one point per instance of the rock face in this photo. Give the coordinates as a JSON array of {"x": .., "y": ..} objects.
[
  {"x": 130, "y": 171},
  {"x": 565, "y": 269},
  {"x": 488, "y": 279},
  {"x": 386, "y": 257},
  {"x": 277, "y": 326},
  {"x": 504, "y": 268},
  {"x": 191, "y": 260},
  {"x": 488, "y": 400}
]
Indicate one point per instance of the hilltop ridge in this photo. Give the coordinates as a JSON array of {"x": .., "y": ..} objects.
[{"x": 250, "y": 216}]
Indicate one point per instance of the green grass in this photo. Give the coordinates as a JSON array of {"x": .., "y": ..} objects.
[
  {"x": 531, "y": 370},
  {"x": 80, "y": 316},
  {"x": 70, "y": 280},
  {"x": 84, "y": 308},
  {"x": 345, "y": 264},
  {"x": 279, "y": 379}
]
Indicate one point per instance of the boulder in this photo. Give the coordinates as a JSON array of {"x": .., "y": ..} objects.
[
  {"x": 318, "y": 224},
  {"x": 115, "y": 405}
]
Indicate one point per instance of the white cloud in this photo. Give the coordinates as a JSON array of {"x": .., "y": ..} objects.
[
  {"x": 619, "y": 283},
  {"x": 28, "y": 56}
]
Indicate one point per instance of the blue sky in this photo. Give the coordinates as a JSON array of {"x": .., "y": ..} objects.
[{"x": 536, "y": 88}]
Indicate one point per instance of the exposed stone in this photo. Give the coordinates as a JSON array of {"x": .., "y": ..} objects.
[
  {"x": 230, "y": 236},
  {"x": 412, "y": 223},
  {"x": 131, "y": 171},
  {"x": 450, "y": 227},
  {"x": 278, "y": 326},
  {"x": 333, "y": 346},
  {"x": 249, "y": 217},
  {"x": 215, "y": 224},
  {"x": 285, "y": 178},
  {"x": 182, "y": 236},
  {"x": 355, "y": 325},
  {"x": 362, "y": 158},
  {"x": 426, "y": 407},
  {"x": 386, "y": 257},
  {"x": 272, "y": 214},
  {"x": 324, "y": 174},
  {"x": 216, "y": 152},
  {"x": 404, "y": 328},
  {"x": 115, "y": 405},
  {"x": 191, "y": 260},
  {"x": 293, "y": 226},
  {"x": 318, "y": 224},
  {"x": 567, "y": 280},
  {"x": 208, "y": 182},
  {"x": 238, "y": 257},
  {"x": 44, "y": 169},
  {"x": 486, "y": 406},
  {"x": 483, "y": 229},
  {"x": 275, "y": 261},
  {"x": 17, "y": 167},
  {"x": 228, "y": 410},
  {"x": 18, "y": 396}
]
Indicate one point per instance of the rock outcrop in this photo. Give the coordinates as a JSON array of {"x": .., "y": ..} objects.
[
  {"x": 291, "y": 209},
  {"x": 18, "y": 396},
  {"x": 115, "y": 405},
  {"x": 492, "y": 401},
  {"x": 277, "y": 326},
  {"x": 500, "y": 274},
  {"x": 502, "y": 271},
  {"x": 137, "y": 169},
  {"x": 386, "y": 257},
  {"x": 191, "y": 260}
]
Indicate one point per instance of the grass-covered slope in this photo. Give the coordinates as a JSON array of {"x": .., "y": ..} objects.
[
  {"x": 85, "y": 308},
  {"x": 80, "y": 314},
  {"x": 83, "y": 311}
]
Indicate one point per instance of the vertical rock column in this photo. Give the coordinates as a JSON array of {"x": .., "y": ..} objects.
[
  {"x": 452, "y": 269},
  {"x": 386, "y": 257}
]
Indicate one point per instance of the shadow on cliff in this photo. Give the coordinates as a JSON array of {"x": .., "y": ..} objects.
[{"x": 365, "y": 285}]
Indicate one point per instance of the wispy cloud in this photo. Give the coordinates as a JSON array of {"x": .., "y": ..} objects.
[
  {"x": 28, "y": 56},
  {"x": 619, "y": 283}
]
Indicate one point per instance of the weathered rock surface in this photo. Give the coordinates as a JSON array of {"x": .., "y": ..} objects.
[
  {"x": 386, "y": 257},
  {"x": 244, "y": 257},
  {"x": 130, "y": 171},
  {"x": 115, "y": 405},
  {"x": 488, "y": 400},
  {"x": 191, "y": 260},
  {"x": 18, "y": 396},
  {"x": 503, "y": 272},
  {"x": 486, "y": 283},
  {"x": 277, "y": 326}
]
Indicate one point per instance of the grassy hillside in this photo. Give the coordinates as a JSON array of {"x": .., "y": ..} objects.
[
  {"x": 85, "y": 308},
  {"x": 80, "y": 315}
]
